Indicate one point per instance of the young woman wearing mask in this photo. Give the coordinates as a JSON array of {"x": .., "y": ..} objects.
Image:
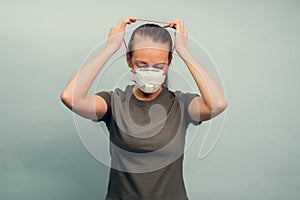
[{"x": 147, "y": 122}]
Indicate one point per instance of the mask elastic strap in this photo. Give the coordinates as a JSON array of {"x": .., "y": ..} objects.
[
  {"x": 128, "y": 57},
  {"x": 147, "y": 20}
]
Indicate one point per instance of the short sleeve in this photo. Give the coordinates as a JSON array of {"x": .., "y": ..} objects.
[
  {"x": 107, "y": 97},
  {"x": 186, "y": 99}
]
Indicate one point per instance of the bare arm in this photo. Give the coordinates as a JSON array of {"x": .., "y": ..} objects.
[
  {"x": 75, "y": 96},
  {"x": 212, "y": 102}
]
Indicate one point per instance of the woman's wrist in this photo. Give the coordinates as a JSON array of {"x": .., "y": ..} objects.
[
  {"x": 183, "y": 52},
  {"x": 110, "y": 49}
]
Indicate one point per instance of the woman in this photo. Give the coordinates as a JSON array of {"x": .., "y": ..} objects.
[{"x": 147, "y": 122}]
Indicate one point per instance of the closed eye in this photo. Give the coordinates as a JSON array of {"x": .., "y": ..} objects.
[
  {"x": 159, "y": 66},
  {"x": 143, "y": 66}
]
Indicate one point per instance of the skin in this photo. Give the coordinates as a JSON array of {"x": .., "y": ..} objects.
[
  {"x": 148, "y": 53},
  {"x": 76, "y": 97}
]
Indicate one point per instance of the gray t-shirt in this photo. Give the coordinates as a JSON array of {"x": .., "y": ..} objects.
[{"x": 147, "y": 144}]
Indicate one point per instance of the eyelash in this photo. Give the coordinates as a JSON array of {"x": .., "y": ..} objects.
[
  {"x": 146, "y": 66},
  {"x": 142, "y": 66}
]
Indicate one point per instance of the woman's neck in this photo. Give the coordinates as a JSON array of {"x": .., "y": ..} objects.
[{"x": 142, "y": 96}]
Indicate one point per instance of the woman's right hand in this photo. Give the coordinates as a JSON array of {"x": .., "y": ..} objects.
[{"x": 116, "y": 34}]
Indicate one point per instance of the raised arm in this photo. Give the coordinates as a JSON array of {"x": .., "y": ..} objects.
[
  {"x": 212, "y": 100},
  {"x": 75, "y": 96}
]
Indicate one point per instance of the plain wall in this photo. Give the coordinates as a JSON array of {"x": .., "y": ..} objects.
[{"x": 255, "y": 45}]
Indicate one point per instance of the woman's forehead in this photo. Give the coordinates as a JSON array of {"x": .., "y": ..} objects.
[
  {"x": 150, "y": 55},
  {"x": 141, "y": 42}
]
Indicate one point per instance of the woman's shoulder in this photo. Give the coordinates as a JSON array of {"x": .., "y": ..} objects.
[
  {"x": 179, "y": 93},
  {"x": 116, "y": 92},
  {"x": 121, "y": 92},
  {"x": 185, "y": 95}
]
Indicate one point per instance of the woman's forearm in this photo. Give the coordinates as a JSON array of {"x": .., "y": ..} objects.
[
  {"x": 79, "y": 85},
  {"x": 77, "y": 89},
  {"x": 211, "y": 92}
]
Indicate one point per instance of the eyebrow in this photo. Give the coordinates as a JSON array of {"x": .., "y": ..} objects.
[{"x": 143, "y": 62}]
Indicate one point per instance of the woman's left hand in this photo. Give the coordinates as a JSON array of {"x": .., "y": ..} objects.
[{"x": 181, "y": 36}]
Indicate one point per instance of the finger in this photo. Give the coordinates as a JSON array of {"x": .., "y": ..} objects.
[
  {"x": 174, "y": 24},
  {"x": 133, "y": 19},
  {"x": 129, "y": 20},
  {"x": 167, "y": 25},
  {"x": 179, "y": 25},
  {"x": 126, "y": 21}
]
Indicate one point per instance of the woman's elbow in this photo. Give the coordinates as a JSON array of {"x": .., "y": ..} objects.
[
  {"x": 219, "y": 107},
  {"x": 66, "y": 99},
  {"x": 222, "y": 105}
]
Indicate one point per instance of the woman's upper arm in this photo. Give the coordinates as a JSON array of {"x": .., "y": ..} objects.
[
  {"x": 92, "y": 107},
  {"x": 198, "y": 110}
]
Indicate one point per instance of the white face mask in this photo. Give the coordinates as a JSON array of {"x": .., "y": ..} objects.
[{"x": 148, "y": 80}]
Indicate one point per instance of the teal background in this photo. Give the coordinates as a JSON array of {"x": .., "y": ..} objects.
[{"x": 255, "y": 45}]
